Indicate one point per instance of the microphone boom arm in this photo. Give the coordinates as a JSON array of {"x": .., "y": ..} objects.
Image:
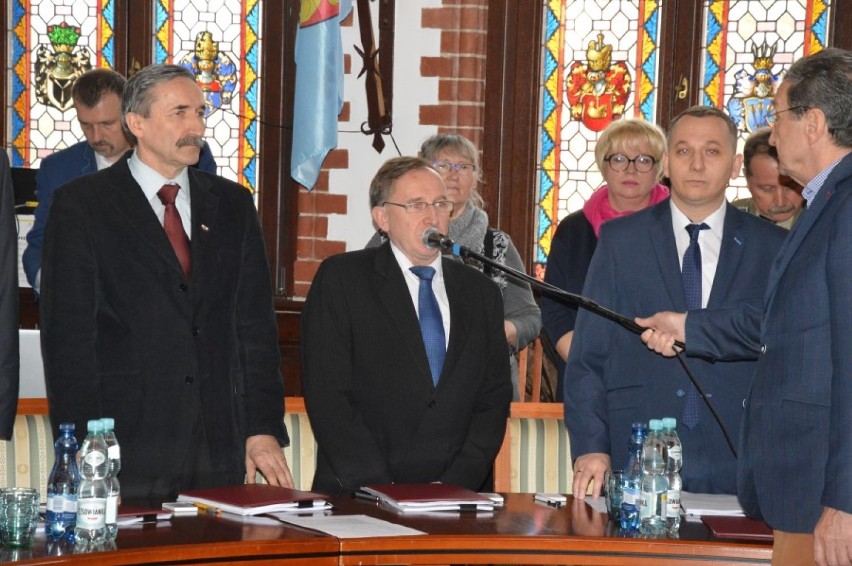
[{"x": 579, "y": 300}]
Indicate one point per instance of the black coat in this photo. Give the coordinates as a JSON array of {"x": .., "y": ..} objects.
[
  {"x": 126, "y": 335},
  {"x": 374, "y": 410}
]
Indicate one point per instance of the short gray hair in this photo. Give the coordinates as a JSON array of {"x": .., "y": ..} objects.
[
  {"x": 824, "y": 81},
  {"x": 137, "y": 96},
  {"x": 387, "y": 175}
]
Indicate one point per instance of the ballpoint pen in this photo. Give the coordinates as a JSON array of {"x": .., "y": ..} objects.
[{"x": 209, "y": 509}]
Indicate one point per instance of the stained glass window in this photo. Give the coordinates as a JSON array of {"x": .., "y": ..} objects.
[
  {"x": 219, "y": 41},
  {"x": 599, "y": 63},
  {"x": 51, "y": 42},
  {"x": 746, "y": 46}
]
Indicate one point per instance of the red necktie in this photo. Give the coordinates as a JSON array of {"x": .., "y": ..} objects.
[{"x": 174, "y": 227}]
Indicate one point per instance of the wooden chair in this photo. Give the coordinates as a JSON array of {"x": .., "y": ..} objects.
[
  {"x": 536, "y": 453},
  {"x": 530, "y": 373}
]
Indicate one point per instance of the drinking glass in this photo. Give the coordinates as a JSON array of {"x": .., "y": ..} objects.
[
  {"x": 613, "y": 483},
  {"x": 18, "y": 516}
]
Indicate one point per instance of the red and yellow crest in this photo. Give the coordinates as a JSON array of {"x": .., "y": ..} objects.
[{"x": 597, "y": 89}]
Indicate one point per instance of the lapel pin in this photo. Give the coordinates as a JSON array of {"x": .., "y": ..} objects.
[{"x": 204, "y": 228}]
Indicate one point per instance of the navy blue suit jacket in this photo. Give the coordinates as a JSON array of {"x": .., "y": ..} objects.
[
  {"x": 56, "y": 170},
  {"x": 612, "y": 379},
  {"x": 796, "y": 446}
]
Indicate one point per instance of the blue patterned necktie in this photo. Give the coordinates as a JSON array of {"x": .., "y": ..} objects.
[
  {"x": 431, "y": 323},
  {"x": 691, "y": 276}
]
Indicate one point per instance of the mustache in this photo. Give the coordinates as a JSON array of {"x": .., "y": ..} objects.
[{"x": 197, "y": 141}]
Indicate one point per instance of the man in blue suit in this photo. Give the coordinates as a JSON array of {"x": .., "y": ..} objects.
[
  {"x": 611, "y": 379},
  {"x": 795, "y": 465},
  {"x": 97, "y": 102}
]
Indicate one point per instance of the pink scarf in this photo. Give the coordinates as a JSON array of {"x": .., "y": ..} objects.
[{"x": 598, "y": 209}]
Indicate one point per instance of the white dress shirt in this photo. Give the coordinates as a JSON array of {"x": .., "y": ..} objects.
[
  {"x": 709, "y": 240},
  {"x": 438, "y": 287},
  {"x": 151, "y": 182}
]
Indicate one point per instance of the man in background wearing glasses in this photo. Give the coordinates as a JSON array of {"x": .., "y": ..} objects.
[
  {"x": 404, "y": 358},
  {"x": 691, "y": 250}
]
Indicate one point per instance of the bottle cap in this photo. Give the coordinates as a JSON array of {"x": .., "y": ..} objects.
[
  {"x": 670, "y": 422},
  {"x": 655, "y": 424},
  {"x": 66, "y": 426},
  {"x": 95, "y": 425},
  {"x": 109, "y": 423},
  {"x": 639, "y": 427}
]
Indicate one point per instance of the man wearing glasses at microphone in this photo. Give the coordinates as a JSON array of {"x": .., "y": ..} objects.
[{"x": 404, "y": 357}]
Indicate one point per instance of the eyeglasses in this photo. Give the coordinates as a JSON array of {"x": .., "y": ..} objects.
[
  {"x": 421, "y": 206},
  {"x": 619, "y": 162},
  {"x": 770, "y": 116},
  {"x": 444, "y": 167}
]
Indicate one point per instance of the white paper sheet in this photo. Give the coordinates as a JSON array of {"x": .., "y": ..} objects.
[
  {"x": 348, "y": 526},
  {"x": 710, "y": 504}
]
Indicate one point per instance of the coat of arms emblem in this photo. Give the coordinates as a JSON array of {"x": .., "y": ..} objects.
[
  {"x": 598, "y": 89},
  {"x": 56, "y": 69},
  {"x": 754, "y": 94},
  {"x": 214, "y": 71}
]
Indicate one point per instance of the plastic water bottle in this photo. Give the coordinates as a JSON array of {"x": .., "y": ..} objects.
[
  {"x": 633, "y": 471},
  {"x": 113, "y": 487},
  {"x": 652, "y": 512},
  {"x": 92, "y": 493},
  {"x": 62, "y": 486},
  {"x": 674, "y": 462}
]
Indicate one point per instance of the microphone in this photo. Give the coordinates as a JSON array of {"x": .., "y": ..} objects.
[{"x": 434, "y": 239}]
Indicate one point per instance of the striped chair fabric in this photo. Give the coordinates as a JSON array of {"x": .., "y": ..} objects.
[
  {"x": 301, "y": 455},
  {"x": 539, "y": 455},
  {"x": 26, "y": 460}
]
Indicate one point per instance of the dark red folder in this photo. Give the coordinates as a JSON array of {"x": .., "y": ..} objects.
[
  {"x": 738, "y": 527},
  {"x": 253, "y": 499}
]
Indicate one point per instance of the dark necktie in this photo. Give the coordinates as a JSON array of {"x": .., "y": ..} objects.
[
  {"x": 431, "y": 323},
  {"x": 174, "y": 227},
  {"x": 691, "y": 276}
]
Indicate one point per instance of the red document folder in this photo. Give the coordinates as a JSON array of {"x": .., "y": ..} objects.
[
  {"x": 416, "y": 497},
  {"x": 254, "y": 499},
  {"x": 738, "y": 527}
]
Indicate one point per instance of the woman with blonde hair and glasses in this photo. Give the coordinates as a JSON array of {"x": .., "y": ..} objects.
[
  {"x": 628, "y": 155},
  {"x": 457, "y": 160}
]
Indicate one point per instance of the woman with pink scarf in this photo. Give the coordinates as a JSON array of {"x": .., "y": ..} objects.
[{"x": 628, "y": 154}]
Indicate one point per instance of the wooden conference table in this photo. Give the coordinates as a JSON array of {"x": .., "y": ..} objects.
[{"x": 523, "y": 532}]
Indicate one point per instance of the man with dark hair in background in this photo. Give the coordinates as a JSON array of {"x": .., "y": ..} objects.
[
  {"x": 97, "y": 103},
  {"x": 774, "y": 197}
]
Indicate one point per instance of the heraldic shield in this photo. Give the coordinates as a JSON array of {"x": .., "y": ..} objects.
[
  {"x": 57, "y": 67},
  {"x": 597, "y": 90}
]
